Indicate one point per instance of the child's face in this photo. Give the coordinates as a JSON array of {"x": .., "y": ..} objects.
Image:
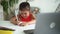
[{"x": 24, "y": 14}]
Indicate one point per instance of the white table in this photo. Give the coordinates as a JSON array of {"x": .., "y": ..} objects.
[{"x": 18, "y": 29}]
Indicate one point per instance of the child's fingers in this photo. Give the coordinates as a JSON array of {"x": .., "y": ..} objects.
[
  {"x": 18, "y": 22},
  {"x": 23, "y": 24}
]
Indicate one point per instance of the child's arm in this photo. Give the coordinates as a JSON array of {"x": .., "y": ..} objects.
[
  {"x": 13, "y": 20},
  {"x": 33, "y": 21}
]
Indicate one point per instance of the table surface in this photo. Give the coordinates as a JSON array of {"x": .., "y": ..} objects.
[{"x": 15, "y": 27}]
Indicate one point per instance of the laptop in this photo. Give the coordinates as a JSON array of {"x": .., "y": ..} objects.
[{"x": 48, "y": 23}]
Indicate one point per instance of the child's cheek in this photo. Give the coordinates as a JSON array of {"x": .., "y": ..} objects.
[{"x": 21, "y": 14}]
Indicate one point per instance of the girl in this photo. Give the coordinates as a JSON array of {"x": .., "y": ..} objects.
[{"x": 25, "y": 15}]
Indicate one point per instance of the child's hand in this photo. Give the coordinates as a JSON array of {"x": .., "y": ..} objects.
[
  {"x": 19, "y": 22},
  {"x": 22, "y": 24}
]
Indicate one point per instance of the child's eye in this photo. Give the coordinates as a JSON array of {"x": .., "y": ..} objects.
[
  {"x": 21, "y": 13},
  {"x": 25, "y": 13}
]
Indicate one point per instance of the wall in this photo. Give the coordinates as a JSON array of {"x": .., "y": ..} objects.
[{"x": 46, "y": 6}]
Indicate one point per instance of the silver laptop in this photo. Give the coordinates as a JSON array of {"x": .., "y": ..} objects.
[{"x": 48, "y": 23}]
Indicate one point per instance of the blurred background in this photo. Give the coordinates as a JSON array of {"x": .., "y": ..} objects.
[{"x": 8, "y": 7}]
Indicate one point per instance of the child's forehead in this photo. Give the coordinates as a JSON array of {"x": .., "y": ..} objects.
[{"x": 25, "y": 11}]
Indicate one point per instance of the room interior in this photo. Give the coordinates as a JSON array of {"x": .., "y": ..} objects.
[{"x": 44, "y": 6}]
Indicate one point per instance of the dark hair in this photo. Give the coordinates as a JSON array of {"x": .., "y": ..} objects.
[{"x": 24, "y": 6}]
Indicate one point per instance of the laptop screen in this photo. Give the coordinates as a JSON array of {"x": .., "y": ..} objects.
[{"x": 48, "y": 23}]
